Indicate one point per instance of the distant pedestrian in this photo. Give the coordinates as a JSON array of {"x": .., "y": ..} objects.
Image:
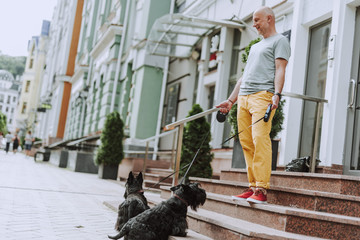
[
  {"x": 8, "y": 138},
  {"x": 16, "y": 142},
  {"x": 28, "y": 143}
]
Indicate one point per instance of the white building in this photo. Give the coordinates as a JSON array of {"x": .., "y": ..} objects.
[
  {"x": 9, "y": 96},
  {"x": 32, "y": 76}
]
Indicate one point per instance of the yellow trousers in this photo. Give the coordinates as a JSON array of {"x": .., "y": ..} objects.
[{"x": 255, "y": 141}]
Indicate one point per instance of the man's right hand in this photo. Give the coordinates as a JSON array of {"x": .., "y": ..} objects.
[{"x": 224, "y": 106}]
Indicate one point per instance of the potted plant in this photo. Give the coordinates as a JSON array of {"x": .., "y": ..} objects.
[
  {"x": 110, "y": 152},
  {"x": 194, "y": 134},
  {"x": 238, "y": 159}
]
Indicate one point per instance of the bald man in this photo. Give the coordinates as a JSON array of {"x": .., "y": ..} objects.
[{"x": 260, "y": 85}]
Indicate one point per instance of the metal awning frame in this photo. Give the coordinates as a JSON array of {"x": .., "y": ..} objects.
[{"x": 173, "y": 21}]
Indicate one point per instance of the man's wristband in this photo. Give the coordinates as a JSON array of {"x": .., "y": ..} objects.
[
  {"x": 231, "y": 101},
  {"x": 279, "y": 94}
]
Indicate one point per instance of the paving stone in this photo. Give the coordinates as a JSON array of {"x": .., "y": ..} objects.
[{"x": 41, "y": 201}]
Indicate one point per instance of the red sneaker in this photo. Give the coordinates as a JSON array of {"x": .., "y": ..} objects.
[
  {"x": 245, "y": 195},
  {"x": 259, "y": 196}
]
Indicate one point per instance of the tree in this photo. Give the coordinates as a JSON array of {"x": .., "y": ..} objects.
[
  {"x": 194, "y": 134},
  {"x": 111, "y": 150},
  {"x": 15, "y": 65},
  {"x": 3, "y": 126}
]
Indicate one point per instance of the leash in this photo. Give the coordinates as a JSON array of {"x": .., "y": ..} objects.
[
  {"x": 189, "y": 165},
  {"x": 221, "y": 118},
  {"x": 265, "y": 118}
]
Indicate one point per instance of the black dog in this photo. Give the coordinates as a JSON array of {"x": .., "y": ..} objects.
[
  {"x": 167, "y": 218},
  {"x": 135, "y": 201}
]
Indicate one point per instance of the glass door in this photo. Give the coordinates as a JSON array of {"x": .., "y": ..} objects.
[
  {"x": 352, "y": 145},
  {"x": 315, "y": 84}
]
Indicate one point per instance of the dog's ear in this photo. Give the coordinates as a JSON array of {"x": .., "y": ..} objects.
[
  {"x": 131, "y": 177},
  {"x": 186, "y": 188},
  {"x": 140, "y": 177},
  {"x": 173, "y": 189}
]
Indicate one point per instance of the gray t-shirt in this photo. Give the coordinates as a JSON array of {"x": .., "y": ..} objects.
[{"x": 259, "y": 73}]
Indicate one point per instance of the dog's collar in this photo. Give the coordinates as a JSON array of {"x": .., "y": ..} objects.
[
  {"x": 186, "y": 203},
  {"x": 141, "y": 191}
]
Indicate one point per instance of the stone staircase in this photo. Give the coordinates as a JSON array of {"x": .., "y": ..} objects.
[
  {"x": 155, "y": 175},
  {"x": 300, "y": 206}
]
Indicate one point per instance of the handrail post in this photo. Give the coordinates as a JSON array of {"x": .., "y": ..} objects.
[
  {"x": 316, "y": 138},
  {"x": 146, "y": 156},
  {"x": 173, "y": 152},
  {"x": 178, "y": 154}
]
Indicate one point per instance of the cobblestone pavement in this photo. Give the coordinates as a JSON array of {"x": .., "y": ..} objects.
[{"x": 42, "y": 201}]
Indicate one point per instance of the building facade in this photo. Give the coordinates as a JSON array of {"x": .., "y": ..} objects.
[
  {"x": 9, "y": 97},
  {"x": 60, "y": 64},
  {"x": 152, "y": 60},
  {"x": 32, "y": 77}
]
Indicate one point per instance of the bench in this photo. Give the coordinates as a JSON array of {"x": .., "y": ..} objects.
[{"x": 45, "y": 153}]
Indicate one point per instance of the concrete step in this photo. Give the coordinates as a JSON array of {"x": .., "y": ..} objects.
[
  {"x": 219, "y": 226},
  {"x": 306, "y": 199},
  {"x": 289, "y": 219},
  {"x": 157, "y": 178},
  {"x": 150, "y": 184},
  {"x": 160, "y": 171},
  {"x": 333, "y": 183},
  {"x": 191, "y": 235}
]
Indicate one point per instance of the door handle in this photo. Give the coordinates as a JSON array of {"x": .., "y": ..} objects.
[{"x": 353, "y": 93}]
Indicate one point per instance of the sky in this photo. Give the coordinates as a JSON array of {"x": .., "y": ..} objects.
[{"x": 19, "y": 21}]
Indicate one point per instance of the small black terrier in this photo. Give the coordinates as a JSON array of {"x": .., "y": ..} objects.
[
  {"x": 167, "y": 218},
  {"x": 135, "y": 201}
]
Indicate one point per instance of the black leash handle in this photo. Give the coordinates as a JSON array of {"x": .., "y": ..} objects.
[{"x": 266, "y": 118}]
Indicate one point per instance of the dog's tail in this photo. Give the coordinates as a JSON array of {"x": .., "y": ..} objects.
[{"x": 122, "y": 233}]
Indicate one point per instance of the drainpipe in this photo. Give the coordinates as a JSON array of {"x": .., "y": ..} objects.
[
  {"x": 118, "y": 66},
  {"x": 162, "y": 96}
]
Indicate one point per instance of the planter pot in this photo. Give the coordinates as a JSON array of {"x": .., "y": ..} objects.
[
  {"x": 238, "y": 159},
  {"x": 275, "y": 149},
  {"x": 108, "y": 171}
]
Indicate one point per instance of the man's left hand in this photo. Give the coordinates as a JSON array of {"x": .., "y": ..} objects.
[{"x": 275, "y": 102}]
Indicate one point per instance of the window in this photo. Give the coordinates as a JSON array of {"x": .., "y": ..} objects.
[
  {"x": 8, "y": 99},
  {"x": 14, "y": 99},
  {"x": 180, "y": 6},
  {"x": 1, "y": 98},
  {"x": 172, "y": 104},
  {"x": 7, "y": 109},
  {"x": 12, "y": 110},
  {"x": 0, "y": 107},
  {"x": 27, "y": 86},
  {"x": 31, "y": 63},
  {"x": 10, "y": 121},
  {"x": 23, "y": 110}
]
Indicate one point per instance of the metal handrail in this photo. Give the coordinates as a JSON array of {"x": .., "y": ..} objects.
[
  {"x": 304, "y": 97},
  {"x": 159, "y": 135},
  {"x": 191, "y": 118},
  {"x": 180, "y": 124},
  {"x": 319, "y": 104}
]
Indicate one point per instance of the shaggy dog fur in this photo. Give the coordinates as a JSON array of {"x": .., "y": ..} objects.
[
  {"x": 135, "y": 201},
  {"x": 167, "y": 218}
]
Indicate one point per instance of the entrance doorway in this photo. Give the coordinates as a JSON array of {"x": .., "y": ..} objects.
[
  {"x": 315, "y": 85},
  {"x": 352, "y": 144}
]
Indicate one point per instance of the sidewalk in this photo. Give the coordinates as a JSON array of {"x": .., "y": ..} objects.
[{"x": 41, "y": 201}]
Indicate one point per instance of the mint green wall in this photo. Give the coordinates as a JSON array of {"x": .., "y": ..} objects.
[
  {"x": 125, "y": 86},
  {"x": 149, "y": 103},
  {"x": 157, "y": 8}
]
